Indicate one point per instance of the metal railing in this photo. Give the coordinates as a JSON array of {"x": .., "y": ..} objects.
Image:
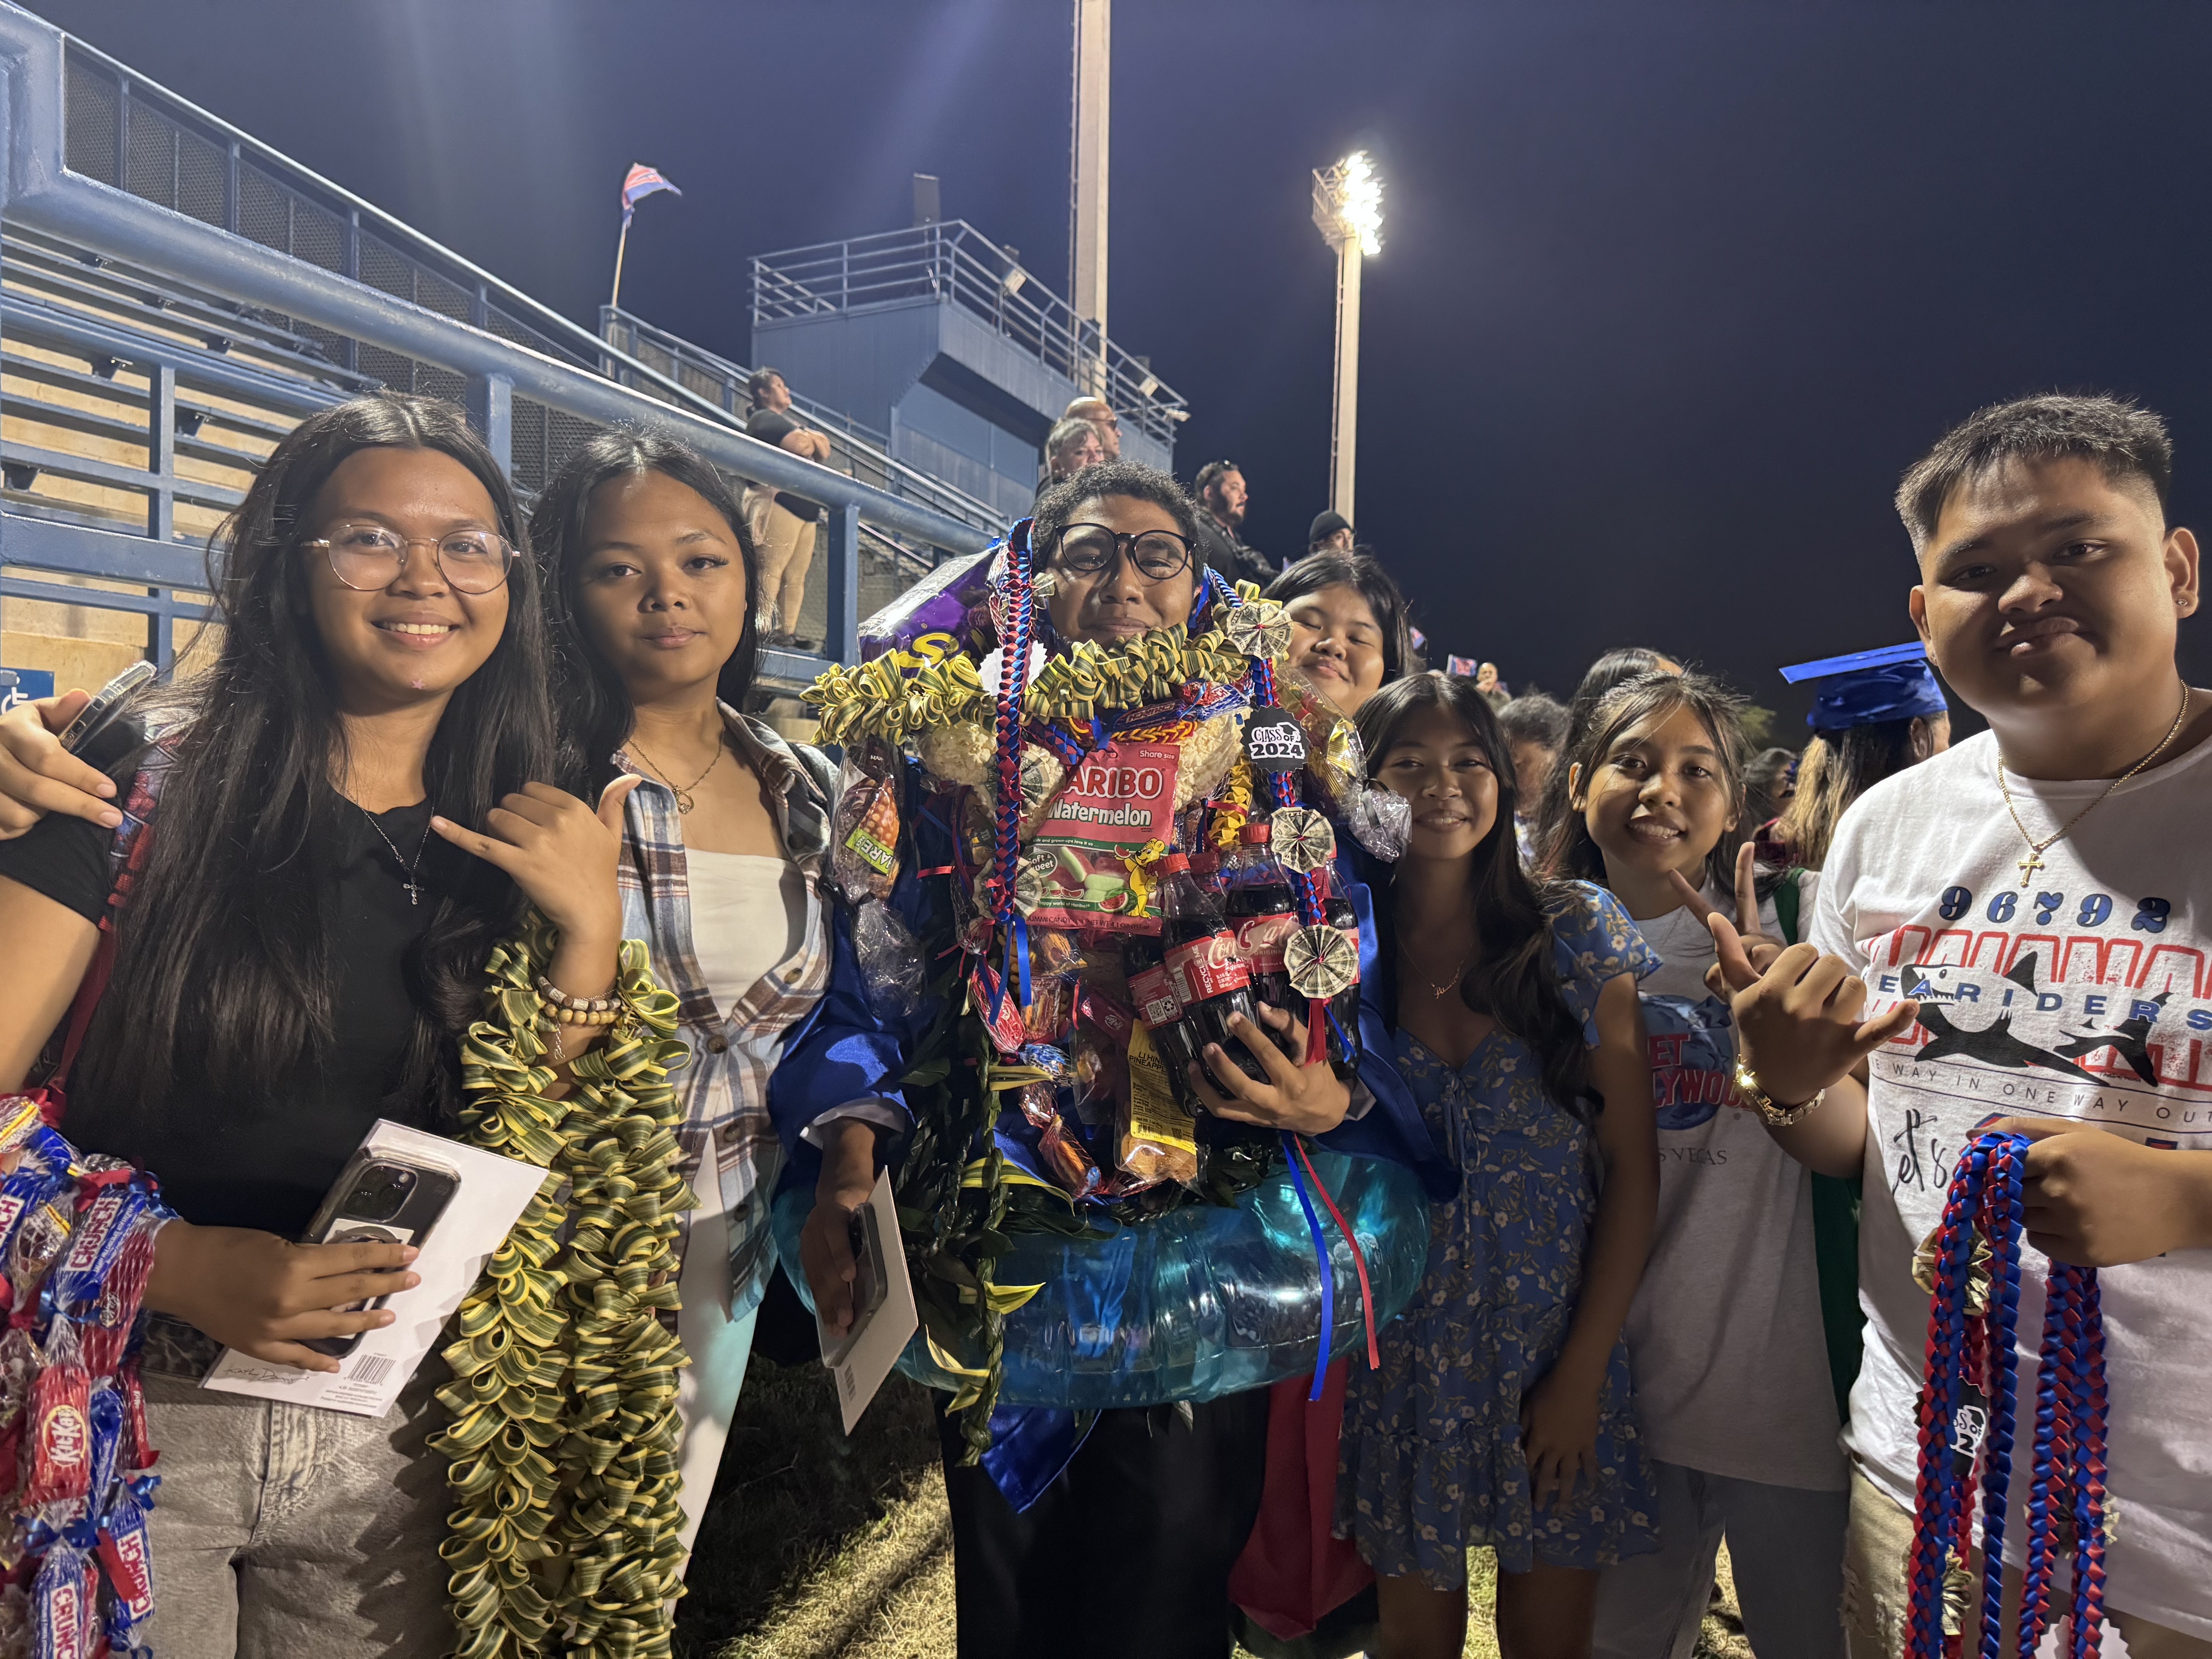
[
  {"x": 305, "y": 318},
  {"x": 857, "y": 450},
  {"x": 953, "y": 263}
]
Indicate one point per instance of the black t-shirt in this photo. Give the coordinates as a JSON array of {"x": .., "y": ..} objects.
[
  {"x": 267, "y": 1162},
  {"x": 773, "y": 426}
]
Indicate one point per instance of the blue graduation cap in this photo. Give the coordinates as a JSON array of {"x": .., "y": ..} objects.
[{"x": 1866, "y": 687}]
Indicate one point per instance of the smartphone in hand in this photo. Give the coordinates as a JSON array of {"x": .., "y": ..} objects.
[{"x": 378, "y": 1200}]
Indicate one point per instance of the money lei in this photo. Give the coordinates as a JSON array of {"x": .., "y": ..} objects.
[{"x": 563, "y": 1444}]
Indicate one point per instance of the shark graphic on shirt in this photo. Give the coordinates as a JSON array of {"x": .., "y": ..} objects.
[{"x": 2006, "y": 1021}]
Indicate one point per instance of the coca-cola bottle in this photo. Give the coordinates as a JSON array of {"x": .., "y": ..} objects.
[
  {"x": 1343, "y": 1050},
  {"x": 1209, "y": 977},
  {"x": 1151, "y": 988},
  {"x": 1262, "y": 911}
]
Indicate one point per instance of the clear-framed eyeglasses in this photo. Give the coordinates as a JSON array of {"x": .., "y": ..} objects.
[
  {"x": 1087, "y": 549},
  {"x": 371, "y": 556}
]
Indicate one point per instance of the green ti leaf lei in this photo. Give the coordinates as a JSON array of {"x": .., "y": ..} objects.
[{"x": 563, "y": 1442}]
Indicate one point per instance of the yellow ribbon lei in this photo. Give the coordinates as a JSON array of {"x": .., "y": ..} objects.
[
  {"x": 873, "y": 700},
  {"x": 563, "y": 1444}
]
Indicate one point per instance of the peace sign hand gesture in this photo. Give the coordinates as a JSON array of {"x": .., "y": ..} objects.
[{"x": 1760, "y": 948}]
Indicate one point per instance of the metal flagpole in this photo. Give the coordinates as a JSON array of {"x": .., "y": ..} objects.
[{"x": 622, "y": 245}]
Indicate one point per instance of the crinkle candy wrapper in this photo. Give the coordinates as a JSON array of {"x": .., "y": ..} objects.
[
  {"x": 889, "y": 957},
  {"x": 1382, "y": 821},
  {"x": 64, "y": 1620},
  {"x": 938, "y": 604},
  {"x": 864, "y": 834}
]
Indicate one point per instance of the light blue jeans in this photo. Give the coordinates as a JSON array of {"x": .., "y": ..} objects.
[{"x": 1785, "y": 1550}]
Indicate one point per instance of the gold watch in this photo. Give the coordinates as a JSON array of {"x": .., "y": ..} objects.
[{"x": 1775, "y": 1117}]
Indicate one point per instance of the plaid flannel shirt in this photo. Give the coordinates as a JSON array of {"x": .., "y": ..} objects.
[{"x": 725, "y": 1087}]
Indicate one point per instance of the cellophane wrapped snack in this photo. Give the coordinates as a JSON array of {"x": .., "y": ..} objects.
[
  {"x": 889, "y": 957},
  {"x": 864, "y": 835},
  {"x": 1158, "y": 1140}
]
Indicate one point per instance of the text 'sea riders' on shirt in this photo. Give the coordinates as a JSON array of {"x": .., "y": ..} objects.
[{"x": 2078, "y": 990}]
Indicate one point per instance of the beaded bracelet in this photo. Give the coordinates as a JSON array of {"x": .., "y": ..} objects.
[{"x": 577, "y": 1010}]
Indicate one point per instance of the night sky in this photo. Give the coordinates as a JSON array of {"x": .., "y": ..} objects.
[{"x": 1669, "y": 294}]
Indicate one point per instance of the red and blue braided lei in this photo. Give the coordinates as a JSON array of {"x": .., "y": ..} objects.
[{"x": 2066, "y": 1489}]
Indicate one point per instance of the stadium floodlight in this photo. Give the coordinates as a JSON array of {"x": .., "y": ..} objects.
[{"x": 1347, "y": 206}]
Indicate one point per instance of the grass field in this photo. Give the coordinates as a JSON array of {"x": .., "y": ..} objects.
[{"x": 817, "y": 1546}]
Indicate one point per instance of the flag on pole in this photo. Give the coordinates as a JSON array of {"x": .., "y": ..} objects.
[
  {"x": 640, "y": 183},
  {"x": 1462, "y": 668}
]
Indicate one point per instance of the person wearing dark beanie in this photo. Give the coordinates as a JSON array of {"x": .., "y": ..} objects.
[{"x": 1331, "y": 533}]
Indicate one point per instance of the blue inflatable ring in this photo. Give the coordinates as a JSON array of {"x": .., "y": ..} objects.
[{"x": 1194, "y": 1305}]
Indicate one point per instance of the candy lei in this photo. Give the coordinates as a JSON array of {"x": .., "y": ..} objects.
[
  {"x": 1971, "y": 1328},
  {"x": 563, "y": 1442},
  {"x": 77, "y": 1237}
]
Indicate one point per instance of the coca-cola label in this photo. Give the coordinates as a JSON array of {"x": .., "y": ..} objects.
[
  {"x": 1204, "y": 968},
  {"x": 1259, "y": 941},
  {"x": 1152, "y": 989}
]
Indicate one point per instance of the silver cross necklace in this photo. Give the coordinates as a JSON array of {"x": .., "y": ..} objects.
[{"x": 411, "y": 886}]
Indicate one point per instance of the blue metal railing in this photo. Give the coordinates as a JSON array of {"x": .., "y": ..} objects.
[
  {"x": 953, "y": 263},
  {"x": 199, "y": 205},
  {"x": 858, "y": 450}
]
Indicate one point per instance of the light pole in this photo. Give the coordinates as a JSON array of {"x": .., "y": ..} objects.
[{"x": 1347, "y": 205}]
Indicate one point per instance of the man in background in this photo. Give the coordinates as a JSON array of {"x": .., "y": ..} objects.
[
  {"x": 1222, "y": 493},
  {"x": 782, "y": 524},
  {"x": 1100, "y": 414},
  {"x": 1331, "y": 533}
]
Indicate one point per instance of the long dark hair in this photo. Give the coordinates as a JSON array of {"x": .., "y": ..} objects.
[
  {"x": 1622, "y": 663},
  {"x": 1511, "y": 978},
  {"x": 595, "y": 711},
  {"x": 224, "y": 972},
  {"x": 1364, "y": 574},
  {"x": 1836, "y": 768},
  {"x": 1571, "y": 855}
]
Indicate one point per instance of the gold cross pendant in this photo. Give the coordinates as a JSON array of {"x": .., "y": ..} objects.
[{"x": 2029, "y": 866}]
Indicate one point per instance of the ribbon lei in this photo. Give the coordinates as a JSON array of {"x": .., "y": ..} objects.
[
  {"x": 2066, "y": 1490},
  {"x": 1322, "y": 1262}
]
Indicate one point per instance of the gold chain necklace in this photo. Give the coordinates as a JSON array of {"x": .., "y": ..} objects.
[
  {"x": 1439, "y": 992},
  {"x": 684, "y": 801},
  {"x": 2036, "y": 849}
]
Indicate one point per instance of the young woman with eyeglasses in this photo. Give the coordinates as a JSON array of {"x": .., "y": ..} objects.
[{"x": 298, "y": 954}]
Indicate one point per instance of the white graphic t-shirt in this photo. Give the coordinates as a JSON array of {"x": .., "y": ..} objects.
[
  {"x": 2082, "y": 992},
  {"x": 1730, "y": 1361}
]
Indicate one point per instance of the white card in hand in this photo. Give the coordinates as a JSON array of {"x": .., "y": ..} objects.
[{"x": 865, "y": 1357}]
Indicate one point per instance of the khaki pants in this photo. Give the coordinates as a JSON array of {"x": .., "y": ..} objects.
[
  {"x": 783, "y": 546},
  {"x": 1875, "y": 1599},
  {"x": 285, "y": 1530}
]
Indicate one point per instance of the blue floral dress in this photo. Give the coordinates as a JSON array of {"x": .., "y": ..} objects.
[{"x": 1432, "y": 1459}]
